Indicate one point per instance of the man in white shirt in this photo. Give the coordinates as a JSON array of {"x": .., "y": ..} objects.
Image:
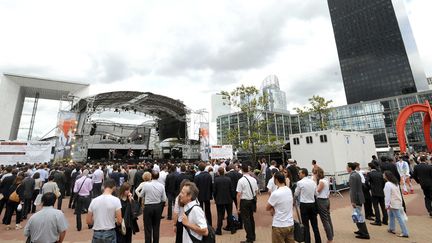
[
  {"x": 163, "y": 174},
  {"x": 194, "y": 221},
  {"x": 97, "y": 179},
  {"x": 280, "y": 204},
  {"x": 305, "y": 193},
  {"x": 104, "y": 212},
  {"x": 247, "y": 189}
]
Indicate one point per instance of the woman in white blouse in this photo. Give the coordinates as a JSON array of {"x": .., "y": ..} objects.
[
  {"x": 393, "y": 202},
  {"x": 323, "y": 203},
  {"x": 146, "y": 178}
]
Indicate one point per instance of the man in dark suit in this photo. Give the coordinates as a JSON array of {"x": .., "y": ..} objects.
[
  {"x": 6, "y": 182},
  {"x": 375, "y": 182},
  {"x": 223, "y": 197},
  {"x": 357, "y": 200},
  {"x": 180, "y": 177},
  {"x": 423, "y": 175},
  {"x": 204, "y": 182},
  {"x": 170, "y": 188},
  {"x": 235, "y": 176}
]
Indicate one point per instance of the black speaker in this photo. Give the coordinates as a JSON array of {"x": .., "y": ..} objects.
[{"x": 93, "y": 129}]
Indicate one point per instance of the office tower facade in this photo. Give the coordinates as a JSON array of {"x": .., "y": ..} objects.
[
  {"x": 277, "y": 98},
  {"x": 377, "y": 51}
]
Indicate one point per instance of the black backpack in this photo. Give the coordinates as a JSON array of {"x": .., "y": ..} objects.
[{"x": 209, "y": 238}]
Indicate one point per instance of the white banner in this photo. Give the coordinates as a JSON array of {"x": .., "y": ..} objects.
[
  {"x": 25, "y": 152},
  {"x": 221, "y": 152}
]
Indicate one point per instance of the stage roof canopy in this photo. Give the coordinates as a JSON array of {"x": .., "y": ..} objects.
[{"x": 131, "y": 101}]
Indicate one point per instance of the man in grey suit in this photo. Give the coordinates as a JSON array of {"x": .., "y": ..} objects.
[{"x": 357, "y": 200}]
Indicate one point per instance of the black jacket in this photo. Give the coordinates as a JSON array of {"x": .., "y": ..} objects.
[
  {"x": 294, "y": 170},
  {"x": 222, "y": 190},
  {"x": 170, "y": 184},
  {"x": 390, "y": 167},
  {"x": 423, "y": 175},
  {"x": 204, "y": 183},
  {"x": 6, "y": 184},
  {"x": 356, "y": 189},
  {"x": 182, "y": 176},
  {"x": 375, "y": 182},
  {"x": 235, "y": 177},
  {"x": 138, "y": 177},
  {"x": 60, "y": 179},
  {"x": 28, "y": 184}
]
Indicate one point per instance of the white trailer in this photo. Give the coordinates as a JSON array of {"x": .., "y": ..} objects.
[{"x": 333, "y": 149}]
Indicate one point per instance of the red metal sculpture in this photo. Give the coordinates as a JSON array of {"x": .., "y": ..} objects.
[{"x": 403, "y": 117}]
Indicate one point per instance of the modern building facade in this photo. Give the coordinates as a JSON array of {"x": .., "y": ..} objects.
[
  {"x": 377, "y": 117},
  {"x": 377, "y": 51},
  {"x": 277, "y": 97},
  {"x": 15, "y": 88}
]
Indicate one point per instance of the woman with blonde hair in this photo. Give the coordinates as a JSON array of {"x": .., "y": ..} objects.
[{"x": 146, "y": 178}]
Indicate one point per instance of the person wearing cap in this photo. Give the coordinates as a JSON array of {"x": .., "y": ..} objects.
[{"x": 83, "y": 187}]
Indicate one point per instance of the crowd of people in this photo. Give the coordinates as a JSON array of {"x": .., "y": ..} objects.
[{"x": 114, "y": 195}]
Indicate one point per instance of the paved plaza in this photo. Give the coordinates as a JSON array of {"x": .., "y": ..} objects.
[{"x": 419, "y": 225}]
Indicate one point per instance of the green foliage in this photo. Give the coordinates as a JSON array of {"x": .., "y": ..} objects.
[
  {"x": 318, "y": 106},
  {"x": 249, "y": 101}
]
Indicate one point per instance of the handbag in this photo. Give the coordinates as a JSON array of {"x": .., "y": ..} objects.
[
  {"x": 14, "y": 197},
  {"x": 38, "y": 199},
  {"x": 123, "y": 227},
  {"x": 299, "y": 230},
  {"x": 254, "y": 200}
]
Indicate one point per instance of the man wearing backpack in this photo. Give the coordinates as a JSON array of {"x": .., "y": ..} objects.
[{"x": 194, "y": 221}]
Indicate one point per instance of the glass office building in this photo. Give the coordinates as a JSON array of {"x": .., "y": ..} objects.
[
  {"x": 377, "y": 117},
  {"x": 377, "y": 51}
]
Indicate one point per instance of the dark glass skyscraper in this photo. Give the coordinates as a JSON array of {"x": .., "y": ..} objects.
[{"x": 377, "y": 52}]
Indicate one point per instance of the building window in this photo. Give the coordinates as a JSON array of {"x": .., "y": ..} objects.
[
  {"x": 309, "y": 139},
  {"x": 296, "y": 141},
  {"x": 323, "y": 138}
]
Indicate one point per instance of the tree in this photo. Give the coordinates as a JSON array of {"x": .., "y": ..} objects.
[
  {"x": 250, "y": 102},
  {"x": 319, "y": 106}
]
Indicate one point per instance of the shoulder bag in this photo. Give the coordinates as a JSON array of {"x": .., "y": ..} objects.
[
  {"x": 14, "y": 197},
  {"x": 209, "y": 238}
]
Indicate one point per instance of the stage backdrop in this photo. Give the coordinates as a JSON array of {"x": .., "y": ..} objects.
[
  {"x": 66, "y": 128},
  {"x": 25, "y": 152},
  {"x": 204, "y": 141}
]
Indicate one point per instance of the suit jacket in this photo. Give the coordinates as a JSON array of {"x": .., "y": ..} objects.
[
  {"x": 182, "y": 176},
  {"x": 235, "y": 177},
  {"x": 390, "y": 167},
  {"x": 423, "y": 174},
  {"x": 28, "y": 184},
  {"x": 6, "y": 184},
  {"x": 356, "y": 189},
  {"x": 204, "y": 183},
  {"x": 170, "y": 184},
  {"x": 222, "y": 190},
  {"x": 375, "y": 182}
]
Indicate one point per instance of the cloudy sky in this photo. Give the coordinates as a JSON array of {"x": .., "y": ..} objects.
[{"x": 184, "y": 49}]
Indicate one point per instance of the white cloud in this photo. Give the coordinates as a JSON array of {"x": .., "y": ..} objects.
[{"x": 184, "y": 49}]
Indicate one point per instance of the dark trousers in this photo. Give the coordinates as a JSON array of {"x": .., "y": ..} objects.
[
  {"x": 152, "y": 218},
  {"x": 27, "y": 208},
  {"x": 60, "y": 201},
  {"x": 221, "y": 208},
  {"x": 171, "y": 201},
  {"x": 97, "y": 190},
  {"x": 179, "y": 232},
  {"x": 309, "y": 213},
  {"x": 367, "y": 203},
  {"x": 246, "y": 211},
  {"x": 11, "y": 207},
  {"x": 205, "y": 205},
  {"x": 67, "y": 189},
  {"x": 2, "y": 204},
  {"x": 33, "y": 207},
  {"x": 378, "y": 202},
  {"x": 81, "y": 204},
  {"x": 72, "y": 200},
  {"x": 427, "y": 191},
  {"x": 324, "y": 213}
]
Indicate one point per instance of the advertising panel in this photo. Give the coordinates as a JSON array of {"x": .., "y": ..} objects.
[
  {"x": 221, "y": 152},
  {"x": 25, "y": 152},
  {"x": 204, "y": 141}
]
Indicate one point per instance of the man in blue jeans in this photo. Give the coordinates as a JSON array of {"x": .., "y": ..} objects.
[{"x": 104, "y": 212}]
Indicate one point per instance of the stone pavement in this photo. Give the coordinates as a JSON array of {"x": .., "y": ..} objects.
[{"x": 419, "y": 224}]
